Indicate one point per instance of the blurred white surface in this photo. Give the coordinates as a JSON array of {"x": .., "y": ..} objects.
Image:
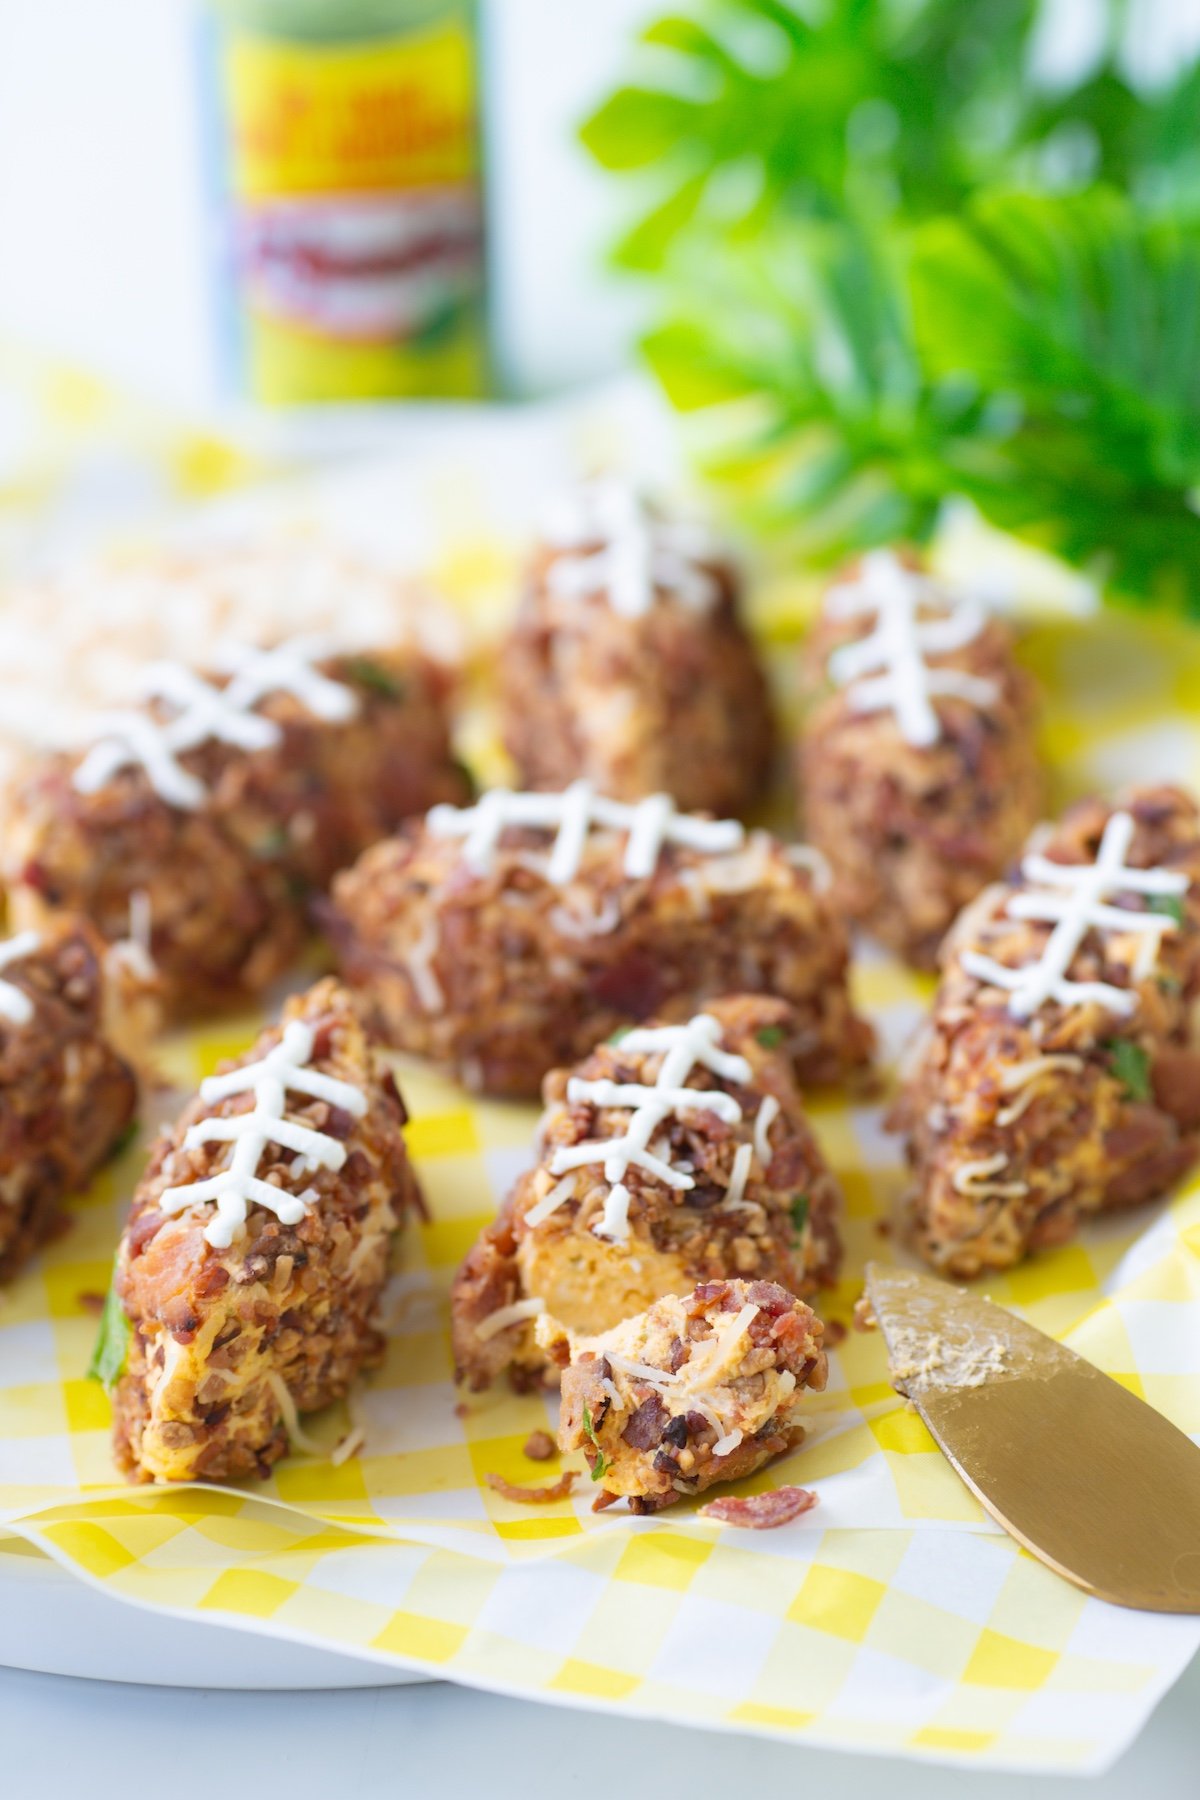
[
  {"x": 103, "y": 216},
  {"x": 64, "y": 1737}
]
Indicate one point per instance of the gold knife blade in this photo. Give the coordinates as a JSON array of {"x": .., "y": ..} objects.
[{"x": 1088, "y": 1477}]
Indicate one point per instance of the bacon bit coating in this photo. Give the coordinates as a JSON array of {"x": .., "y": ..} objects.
[
  {"x": 500, "y": 976},
  {"x": 673, "y": 700},
  {"x": 67, "y": 1097},
  {"x": 691, "y": 1392},
  {"x": 225, "y": 1342},
  {"x": 534, "y": 1496},
  {"x": 227, "y": 884},
  {"x": 760, "y": 1512},
  {"x": 913, "y": 832},
  {"x": 784, "y": 1229},
  {"x": 1018, "y": 1129}
]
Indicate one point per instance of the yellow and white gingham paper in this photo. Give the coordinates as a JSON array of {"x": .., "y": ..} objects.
[{"x": 894, "y": 1617}]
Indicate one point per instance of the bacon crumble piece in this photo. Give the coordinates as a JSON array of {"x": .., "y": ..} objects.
[
  {"x": 628, "y": 662},
  {"x": 234, "y": 1327},
  {"x": 760, "y": 1512},
  {"x": 917, "y": 762},
  {"x": 534, "y": 1496},
  {"x": 694, "y": 1391},
  {"x": 539, "y": 1446},
  {"x": 507, "y": 939},
  {"x": 1059, "y": 1074},
  {"x": 218, "y": 808},
  {"x": 67, "y": 1095},
  {"x": 731, "y": 1182}
]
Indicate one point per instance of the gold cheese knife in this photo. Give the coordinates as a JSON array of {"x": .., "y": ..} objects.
[{"x": 1089, "y": 1478}]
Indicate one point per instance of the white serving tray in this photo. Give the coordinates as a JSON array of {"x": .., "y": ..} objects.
[{"x": 55, "y": 1624}]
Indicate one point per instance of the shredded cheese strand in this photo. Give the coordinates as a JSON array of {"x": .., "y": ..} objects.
[{"x": 504, "y": 1316}]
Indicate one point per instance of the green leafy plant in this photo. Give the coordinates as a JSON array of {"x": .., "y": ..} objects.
[{"x": 875, "y": 292}]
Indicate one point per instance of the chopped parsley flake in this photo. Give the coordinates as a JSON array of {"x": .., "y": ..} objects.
[
  {"x": 1170, "y": 905},
  {"x": 799, "y": 1212},
  {"x": 602, "y": 1463},
  {"x": 1130, "y": 1063},
  {"x": 770, "y": 1037},
  {"x": 273, "y": 843},
  {"x": 372, "y": 675}
]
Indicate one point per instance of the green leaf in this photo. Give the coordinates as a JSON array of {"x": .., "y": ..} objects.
[
  {"x": 1170, "y": 906},
  {"x": 112, "y": 1345},
  {"x": 799, "y": 1212},
  {"x": 770, "y": 1037},
  {"x": 1130, "y": 1063},
  {"x": 646, "y": 245},
  {"x": 636, "y": 127},
  {"x": 370, "y": 674}
]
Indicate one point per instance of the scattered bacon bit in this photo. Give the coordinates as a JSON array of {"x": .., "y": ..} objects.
[
  {"x": 835, "y": 1333},
  {"x": 534, "y": 1496},
  {"x": 462, "y": 1410},
  {"x": 91, "y": 1303},
  {"x": 883, "y": 1228},
  {"x": 761, "y": 1512},
  {"x": 539, "y": 1446},
  {"x": 604, "y": 1498}
]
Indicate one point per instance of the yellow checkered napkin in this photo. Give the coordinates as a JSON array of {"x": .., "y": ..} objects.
[{"x": 893, "y": 1617}]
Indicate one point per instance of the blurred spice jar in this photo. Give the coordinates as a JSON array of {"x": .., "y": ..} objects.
[{"x": 346, "y": 158}]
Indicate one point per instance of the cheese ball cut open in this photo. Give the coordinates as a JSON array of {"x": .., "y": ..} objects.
[
  {"x": 1058, "y": 1076},
  {"x": 673, "y": 1155},
  {"x": 67, "y": 1093},
  {"x": 508, "y": 938},
  {"x": 698, "y": 1389},
  {"x": 249, "y": 1273},
  {"x": 628, "y": 662}
]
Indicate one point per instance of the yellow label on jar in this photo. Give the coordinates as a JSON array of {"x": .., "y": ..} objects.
[
  {"x": 313, "y": 118},
  {"x": 357, "y": 215}
]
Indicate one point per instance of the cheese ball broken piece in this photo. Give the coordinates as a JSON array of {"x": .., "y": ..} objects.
[
  {"x": 249, "y": 1273},
  {"x": 733, "y": 1184},
  {"x": 697, "y": 1389}
]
